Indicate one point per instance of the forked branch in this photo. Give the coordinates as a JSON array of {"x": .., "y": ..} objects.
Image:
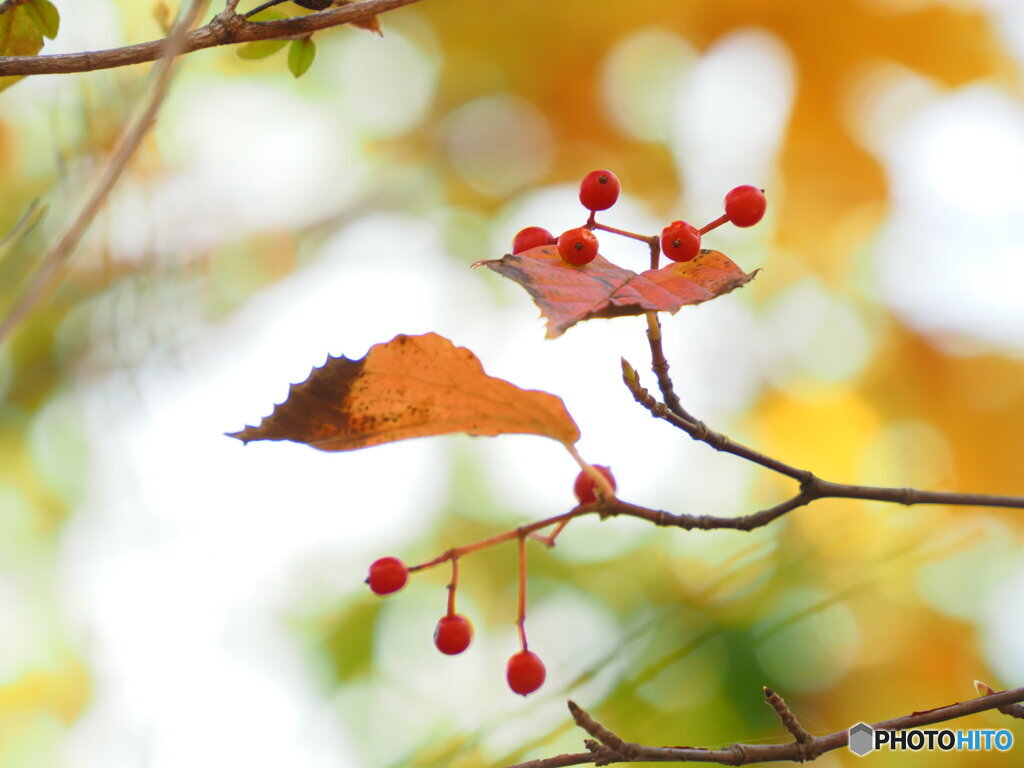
[{"x": 812, "y": 487}]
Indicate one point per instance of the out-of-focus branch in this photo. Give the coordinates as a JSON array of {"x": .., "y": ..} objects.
[
  {"x": 227, "y": 28},
  {"x": 46, "y": 273},
  {"x": 606, "y": 747}
]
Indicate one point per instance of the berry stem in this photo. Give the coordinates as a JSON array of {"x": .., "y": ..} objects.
[
  {"x": 521, "y": 614},
  {"x": 501, "y": 538},
  {"x": 452, "y": 585},
  {"x": 591, "y": 224},
  {"x": 606, "y": 491},
  {"x": 655, "y": 244},
  {"x": 549, "y": 540},
  {"x": 723, "y": 219}
]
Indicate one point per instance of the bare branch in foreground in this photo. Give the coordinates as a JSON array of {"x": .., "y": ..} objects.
[
  {"x": 607, "y": 747},
  {"x": 227, "y": 28}
]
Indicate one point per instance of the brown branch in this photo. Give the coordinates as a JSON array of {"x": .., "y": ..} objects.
[
  {"x": 622, "y": 750},
  {"x": 227, "y": 28},
  {"x": 703, "y": 522},
  {"x": 811, "y": 486},
  {"x": 610, "y": 748},
  {"x": 698, "y": 430},
  {"x": 659, "y": 363},
  {"x": 1013, "y": 710},
  {"x": 47, "y": 272},
  {"x": 803, "y": 740}
]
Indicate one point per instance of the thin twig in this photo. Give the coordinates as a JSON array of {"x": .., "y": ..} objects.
[
  {"x": 659, "y": 364},
  {"x": 624, "y": 751},
  {"x": 809, "y": 748},
  {"x": 699, "y": 431},
  {"x": 617, "y": 507},
  {"x": 803, "y": 740},
  {"x": 46, "y": 274},
  {"x": 811, "y": 486},
  {"x": 1013, "y": 710},
  {"x": 227, "y": 28}
]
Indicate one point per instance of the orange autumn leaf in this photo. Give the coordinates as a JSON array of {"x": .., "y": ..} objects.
[
  {"x": 411, "y": 386},
  {"x": 567, "y": 295}
]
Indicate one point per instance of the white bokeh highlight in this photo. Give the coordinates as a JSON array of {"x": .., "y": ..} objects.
[
  {"x": 949, "y": 257},
  {"x": 731, "y": 115}
]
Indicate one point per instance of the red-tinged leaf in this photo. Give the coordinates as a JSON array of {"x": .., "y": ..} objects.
[
  {"x": 567, "y": 295},
  {"x": 411, "y": 386}
]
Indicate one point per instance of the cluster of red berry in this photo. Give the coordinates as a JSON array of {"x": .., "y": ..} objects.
[
  {"x": 680, "y": 240},
  {"x": 525, "y": 671}
]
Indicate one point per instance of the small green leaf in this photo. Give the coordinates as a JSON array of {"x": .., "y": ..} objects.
[
  {"x": 45, "y": 16},
  {"x": 19, "y": 36},
  {"x": 260, "y": 49},
  {"x": 300, "y": 55}
]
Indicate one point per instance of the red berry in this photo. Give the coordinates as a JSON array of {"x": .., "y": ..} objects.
[
  {"x": 680, "y": 241},
  {"x": 578, "y": 246},
  {"x": 525, "y": 673},
  {"x": 585, "y": 485},
  {"x": 387, "y": 575},
  {"x": 453, "y": 634},
  {"x": 599, "y": 190},
  {"x": 745, "y": 205},
  {"x": 531, "y": 237}
]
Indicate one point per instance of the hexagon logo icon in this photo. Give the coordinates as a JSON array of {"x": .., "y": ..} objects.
[{"x": 862, "y": 739}]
